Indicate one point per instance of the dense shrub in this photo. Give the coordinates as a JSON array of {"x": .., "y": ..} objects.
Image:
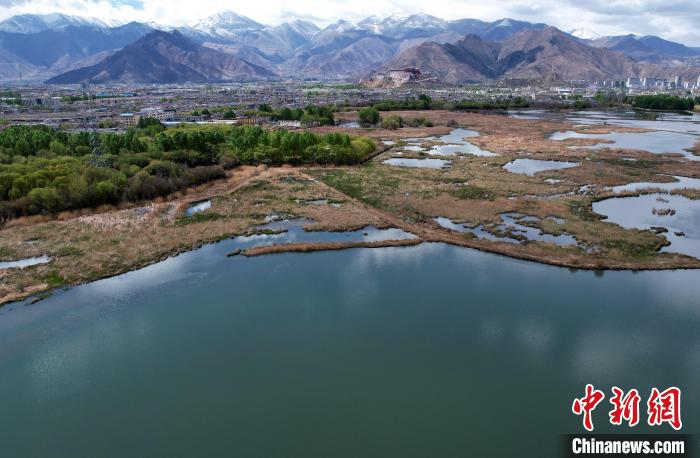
[
  {"x": 47, "y": 171},
  {"x": 392, "y": 122},
  {"x": 368, "y": 117},
  {"x": 663, "y": 102}
]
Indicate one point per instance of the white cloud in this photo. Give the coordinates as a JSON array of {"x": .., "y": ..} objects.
[{"x": 674, "y": 20}]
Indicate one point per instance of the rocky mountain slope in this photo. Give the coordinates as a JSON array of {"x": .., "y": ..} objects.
[
  {"x": 166, "y": 57},
  {"x": 40, "y": 46},
  {"x": 530, "y": 54}
]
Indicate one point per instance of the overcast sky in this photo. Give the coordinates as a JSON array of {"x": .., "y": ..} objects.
[{"x": 677, "y": 20}]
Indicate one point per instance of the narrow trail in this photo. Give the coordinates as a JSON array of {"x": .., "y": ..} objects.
[
  {"x": 433, "y": 234},
  {"x": 425, "y": 233}
]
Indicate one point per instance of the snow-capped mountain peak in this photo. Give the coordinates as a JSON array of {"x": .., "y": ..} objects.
[
  {"x": 304, "y": 28},
  {"x": 342, "y": 26},
  {"x": 227, "y": 21},
  {"x": 34, "y": 23},
  {"x": 372, "y": 23},
  {"x": 504, "y": 23},
  {"x": 584, "y": 34}
]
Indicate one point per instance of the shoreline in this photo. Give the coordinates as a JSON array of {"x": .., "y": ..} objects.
[
  {"x": 105, "y": 243},
  {"x": 311, "y": 247}
]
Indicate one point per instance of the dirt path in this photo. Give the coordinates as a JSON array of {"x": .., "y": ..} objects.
[{"x": 433, "y": 234}]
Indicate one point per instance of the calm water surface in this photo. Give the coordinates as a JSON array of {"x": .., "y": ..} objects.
[
  {"x": 512, "y": 224},
  {"x": 423, "y": 351},
  {"x": 198, "y": 207},
  {"x": 675, "y": 122},
  {"x": 532, "y": 166},
  {"x": 657, "y": 142},
  {"x": 456, "y": 143},
  {"x": 678, "y": 183},
  {"x": 419, "y": 163},
  {"x": 22, "y": 263},
  {"x": 638, "y": 213}
]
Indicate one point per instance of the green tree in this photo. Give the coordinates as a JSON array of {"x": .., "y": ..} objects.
[
  {"x": 392, "y": 122},
  {"x": 368, "y": 116},
  {"x": 58, "y": 148}
]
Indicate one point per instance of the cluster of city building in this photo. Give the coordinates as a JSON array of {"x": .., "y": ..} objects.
[
  {"x": 120, "y": 107},
  {"x": 646, "y": 84}
]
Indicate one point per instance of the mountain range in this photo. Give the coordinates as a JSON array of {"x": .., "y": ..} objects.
[
  {"x": 166, "y": 57},
  {"x": 530, "y": 54},
  {"x": 227, "y": 46}
]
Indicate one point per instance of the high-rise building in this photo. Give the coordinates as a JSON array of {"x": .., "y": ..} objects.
[{"x": 636, "y": 82}]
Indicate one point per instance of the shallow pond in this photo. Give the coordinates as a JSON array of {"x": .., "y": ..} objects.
[
  {"x": 679, "y": 183},
  {"x": 198, "y": 207},
  {"x": 638, "y": 213},
  {"x": 27, "y": 262},
  {"x": 419, "y": 163},
  {"x": 665, "y": 121},
  {"x": 455, "y": 143},
  {"x": 511, "y": 228},
  {"x": 292, "y": 231},
  {"x": 532, "y": 166},
  {"x": 421, "y": 351},
  {"x": 657, "y": 142}
]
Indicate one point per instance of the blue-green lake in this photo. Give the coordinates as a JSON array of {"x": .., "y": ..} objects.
[{"x": 425, "y": 351}]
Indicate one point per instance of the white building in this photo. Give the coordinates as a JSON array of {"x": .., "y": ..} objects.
[{"x": 634, "y": 83}]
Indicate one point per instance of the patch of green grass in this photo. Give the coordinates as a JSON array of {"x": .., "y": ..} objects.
[
  {"x": 55, "y": 280},
  {"x": 634, "y": 250},
  {"x": 200, "y": 218},
  {"x": 257, "y": 185},
  {"x": 473, "y": 193},
  {"x": 289, "y": 179},
  {"x": 68, "y": 250},
  {"x": 583, "y": 210},
  {"x": 387, "y": 182},
  {"x": 638, "y": 164},
  {"x": 350, "y": 184},
  {"x": 7, "y": 253},
  {"x": 270, "y": 231}
]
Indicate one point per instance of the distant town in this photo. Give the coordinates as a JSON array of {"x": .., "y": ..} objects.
[{"x": 111, "y": 107}]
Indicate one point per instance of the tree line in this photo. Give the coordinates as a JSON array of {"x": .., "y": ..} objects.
[
  {"x": 307, "y": 116},
  {"x": 665, "y": 102},
  {"x": 45, "y": 171},
  {"x": 425, "y": 102}
]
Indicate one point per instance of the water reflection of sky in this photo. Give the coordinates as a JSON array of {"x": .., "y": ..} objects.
[
  {"x": 637, "y": 213},
  {"x": 22, "y": 263},
  {"x": 418, "y": 163},
  {"x": 627, "y": 118},
  {"x": 532, "y": 166},
  {"x": 383, "y": 329},
  {"x": 450, "y": 144},
  {"x": 657, "y": 142}
]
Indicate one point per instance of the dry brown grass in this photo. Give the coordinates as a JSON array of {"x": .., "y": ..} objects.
[
  {"x": 103, "y": 244},
  {"x": 93, "y": 244},
  {"x": 326, "y": 246}
]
